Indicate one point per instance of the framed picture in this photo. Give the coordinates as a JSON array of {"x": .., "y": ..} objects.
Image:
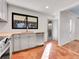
[{"x": 21, "y": 21}]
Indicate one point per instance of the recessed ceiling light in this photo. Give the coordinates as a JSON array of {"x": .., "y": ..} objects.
[{"x": 47, "y": 7}]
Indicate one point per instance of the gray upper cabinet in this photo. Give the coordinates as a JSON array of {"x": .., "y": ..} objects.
[{"x": 3, "y": 10}]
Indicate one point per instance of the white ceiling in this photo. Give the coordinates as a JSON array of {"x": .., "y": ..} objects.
[{"x": 39, "y": 5}]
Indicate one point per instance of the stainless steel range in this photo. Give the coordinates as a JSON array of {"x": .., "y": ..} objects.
[{"x": 4, "y": 48}]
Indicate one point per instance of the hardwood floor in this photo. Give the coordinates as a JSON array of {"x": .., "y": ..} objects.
[
  {"x": 73, "y": 46},
  {"x": 29, "y": 54},
  {"x": 56, "y": 52},
  {"x": 63, "y": 53}
]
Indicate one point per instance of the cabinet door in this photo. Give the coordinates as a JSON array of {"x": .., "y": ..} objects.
[
  {"x": 4, "y": 10},
  {"x": 24, "y": 41},
  {"x": 17, "y": 44},
  {"x": 32, "y": 40},
  {"x": 39, "y": 38},
  {"x": 12, "y": 44},
  {"x": 1, "y": 8}
]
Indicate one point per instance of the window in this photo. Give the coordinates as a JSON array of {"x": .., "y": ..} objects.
[{"x": 21, "y": 21}]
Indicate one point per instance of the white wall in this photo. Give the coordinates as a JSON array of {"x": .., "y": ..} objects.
[
  {"x": 65, "y": 34},
  {"x": 42, "y": 20}
]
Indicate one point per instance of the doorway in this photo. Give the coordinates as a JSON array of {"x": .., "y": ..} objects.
[{"x": 50, "y": 26}]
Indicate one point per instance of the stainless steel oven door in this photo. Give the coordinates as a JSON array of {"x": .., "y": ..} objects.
[{"x": 6, "y": 55}]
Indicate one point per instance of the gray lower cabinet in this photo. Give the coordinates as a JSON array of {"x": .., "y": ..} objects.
[
  {"x": 40, "y": 38},
  {"x": 15, "y": 42},
  {"x": 32, "y": 39},
  {"x": 25, "y": 41},
  {"x": 12, "y": 43}
]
